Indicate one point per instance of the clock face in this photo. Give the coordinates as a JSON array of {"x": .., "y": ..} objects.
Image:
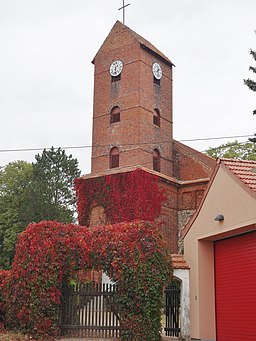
[
  {"x": 116, "y": 68},
  {"x": 157, "y": 71}
]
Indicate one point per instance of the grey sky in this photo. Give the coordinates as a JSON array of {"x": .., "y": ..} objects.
[{"x": 46, "y": 75}]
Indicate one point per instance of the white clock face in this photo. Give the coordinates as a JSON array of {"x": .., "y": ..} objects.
[
  {"x": 157, "y": 71},
  {"x": 116, "y": 68}
]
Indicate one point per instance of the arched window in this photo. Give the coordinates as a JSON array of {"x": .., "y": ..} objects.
[
  {"x": 156, "y": 160},
  {"x": 114, "y": 158},
  {"x": 115, "y": 115},
  {"x": 156, "y": 117}
]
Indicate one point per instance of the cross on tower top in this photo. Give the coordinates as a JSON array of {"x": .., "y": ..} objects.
[{"x": 123, "y": 8}]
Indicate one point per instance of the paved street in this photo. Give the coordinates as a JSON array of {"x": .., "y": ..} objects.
[{"x": 165, "y": 338}]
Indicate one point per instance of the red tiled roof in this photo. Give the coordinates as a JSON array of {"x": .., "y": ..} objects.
[
  {"x": 178, "y": 261},
  {"x": 244, "y": 170}
]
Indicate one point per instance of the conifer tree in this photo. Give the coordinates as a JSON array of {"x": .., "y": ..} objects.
[
  {"x": 249, "y": 82},
  {"x": 54, "y": 197},
  {"x": 43, "y": 190},
  {"x": 252, "y": 85}
]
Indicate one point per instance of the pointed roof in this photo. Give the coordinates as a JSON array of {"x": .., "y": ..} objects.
[
  {"x": 244, "y": 170},
  {"x": 207, "y": 161},
  {"x": 244, "y": 173},
  {"x": 127, "y": 36}
]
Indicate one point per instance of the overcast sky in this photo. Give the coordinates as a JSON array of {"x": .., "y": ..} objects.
[{"x": 46, "y": 75}]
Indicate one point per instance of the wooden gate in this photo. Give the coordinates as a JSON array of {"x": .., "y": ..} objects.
[
  {"x": 172, "y": 309},
  {"x": 88, "y": 311}
]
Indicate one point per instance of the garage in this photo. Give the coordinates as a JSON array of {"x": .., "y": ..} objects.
[{"x": 235, "y": 288}]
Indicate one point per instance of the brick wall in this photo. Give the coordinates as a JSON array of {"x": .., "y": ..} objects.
[
  {"x": 136, "y": 136},
  {"x": 137, "y": 96},
  {"x": 181, "y": 202},
  {"x": 190, "y": 164}
]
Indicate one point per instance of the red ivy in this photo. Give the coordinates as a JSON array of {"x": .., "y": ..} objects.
[
  {"x": 47, "y": 253},
  {"x": 124, "y": 196},
  {"x": 4, "y": 274},
  {"x": 123, "y": 245},
  {"x": 135, "y": 256}
]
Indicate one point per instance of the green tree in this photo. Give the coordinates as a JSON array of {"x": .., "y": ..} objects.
[
  {"x": 249, "y": 82},
  {"x": 15, "y": 182},
  {"x": 43, "y": 190},
  {"x": 244, "y": 150},
  {"x": 53, "y": 191}
]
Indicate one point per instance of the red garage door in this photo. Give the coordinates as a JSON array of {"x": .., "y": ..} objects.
[{"x": 235, "y": 285}]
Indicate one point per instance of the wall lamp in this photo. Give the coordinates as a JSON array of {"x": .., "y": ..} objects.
[{"x": 219, "y": 217}]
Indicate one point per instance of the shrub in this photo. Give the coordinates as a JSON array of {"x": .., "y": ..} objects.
[
  {"x": 135, "y": 256},
  {"x": 4, "y": 274},
  {"x": 47, "y": 253}
]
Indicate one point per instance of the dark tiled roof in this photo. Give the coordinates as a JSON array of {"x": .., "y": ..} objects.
[{"x": 244, "y": 170}]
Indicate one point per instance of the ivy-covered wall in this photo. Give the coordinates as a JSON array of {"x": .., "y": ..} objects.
[
  {"x": 124, "y": 196},
  {"x": 48, "y": 254},
  {"x": 138, "y": 194}
]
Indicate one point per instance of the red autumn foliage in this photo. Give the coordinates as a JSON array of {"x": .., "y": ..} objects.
[
  {"x": 125, "y": 245},
  {"x": 47, "y": 253},
  {"x": 124, "y": 196},
  {"x": 3, "y": 276},
  {"x": 134, "y": 254},
  {"x": 136, "y": 257}
]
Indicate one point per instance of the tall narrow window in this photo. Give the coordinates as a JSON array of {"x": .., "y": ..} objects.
[
  {"x": 156, "y": 160},
  {"x": 157, "y": 81},
  {"x": 115, "y": 78},
  {"x": 115, "y": 115},
  {"x": 114, "y": 158},
  {"x": 156, "y": 117}
]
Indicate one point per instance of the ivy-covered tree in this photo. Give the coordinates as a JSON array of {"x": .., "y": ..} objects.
[
  {"x": 240, "y": 150},
  {"x": 53, "y": 174}
]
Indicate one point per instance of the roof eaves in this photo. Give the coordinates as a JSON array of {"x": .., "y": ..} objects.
[
  {"x": 187, "y": 227},
  {"x": 241, "y": 181},
  {"x": 156, "y": 54},
  {"x": 127, "y": 169}
]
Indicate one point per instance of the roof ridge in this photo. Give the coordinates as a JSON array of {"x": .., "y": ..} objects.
[
  {"x": 192, "y": 152},
  {"x": 236, "y": 160},
  {"x": 144, "y": 41},
  {"x": 243, "y": 170},
  {"x": 118, "y": 26}
]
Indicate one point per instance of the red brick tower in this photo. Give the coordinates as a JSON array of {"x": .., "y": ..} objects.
[
  {"x": 132, "y": 130},
  {"x": 132, "y": 116}
]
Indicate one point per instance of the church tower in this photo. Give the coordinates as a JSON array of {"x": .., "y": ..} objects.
[
  {"x": 133, "y": 150},
  {"x": 132, "y": 110}
]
